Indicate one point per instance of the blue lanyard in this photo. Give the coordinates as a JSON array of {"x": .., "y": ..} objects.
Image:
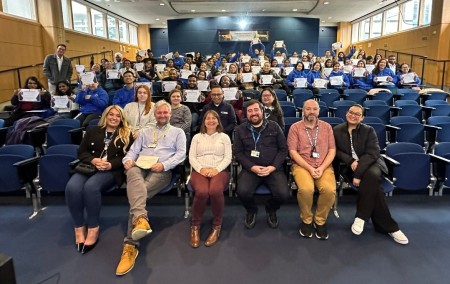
[{"x": 259, "y": 134}]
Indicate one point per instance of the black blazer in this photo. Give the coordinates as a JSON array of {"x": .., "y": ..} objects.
[
  {"x": 365, "y": 143},
  {"x": 92, "y": 146}
]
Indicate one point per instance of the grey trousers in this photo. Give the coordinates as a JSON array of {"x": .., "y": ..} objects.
[{"x": 142, "y": 185}]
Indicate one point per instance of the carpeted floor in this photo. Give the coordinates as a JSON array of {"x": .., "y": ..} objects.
[{"x": 43, "y": 248}]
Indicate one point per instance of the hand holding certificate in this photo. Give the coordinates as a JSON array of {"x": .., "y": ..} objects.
[
  {"x": 191, "y": 96},
  {"x": 168, "y": 86},
  {"x": 60, "y": 102},
  {"x": 266, "y": 80},
  {"x": 230, "y": 94},
  {"x": 29, "y": 95},
  {"x": 336, "y": 81},
  {"x": 146, "y": 162},
  {"x": 247, "y": 77},
  {"x": 112, "y": 74},
  {"x": 300, "y": 83},
  {"x": 320, "y": 83},
  {"x": 359, "y": 72}
]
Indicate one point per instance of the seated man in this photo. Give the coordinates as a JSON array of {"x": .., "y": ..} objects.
[
  {"x": 167, "y": 145},
  {"x": 357, "y": 147},
  {"x": 260, "y": 147},
  {"x": 312, "y": 149},
  {"x": 125, "y": 95},
  {"x": 224, "y": 109}
]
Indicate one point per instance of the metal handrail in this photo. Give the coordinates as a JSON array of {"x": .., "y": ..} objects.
[{"x": 420, "y": 57}]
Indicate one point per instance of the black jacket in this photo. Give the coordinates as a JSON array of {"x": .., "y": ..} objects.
[{"x": 365, "y": 143}]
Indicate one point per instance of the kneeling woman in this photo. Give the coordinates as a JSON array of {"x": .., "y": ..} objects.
[
  {"x": 209, "y": 155},
  {"x": 103, "y": 147}
]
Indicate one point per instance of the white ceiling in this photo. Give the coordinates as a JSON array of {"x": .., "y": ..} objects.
[{"x": 156, "y": 15}]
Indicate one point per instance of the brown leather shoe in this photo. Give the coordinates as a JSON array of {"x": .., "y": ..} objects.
[
  {"x": 195, "y": 236},
  {"x": 213, "y": 236}
]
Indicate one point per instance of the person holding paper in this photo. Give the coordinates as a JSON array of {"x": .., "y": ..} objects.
[
  {"x": 383, "y": 76},
  {"x": 246, "y": 79},
  {"x": 406, "y": 78},
  {"x": 286, "y": 68},
  {"x": 112, "y": 83},
  {"x": 338, "y": 79},
  {"x": 238, "y": 101},
  {"x": 62, "y": 101},
  {"x": 126, "y": 94},
  {"x": 272, "y": 109},
  {"x": 224, "y": 109},
  {"x": 103, "y": 146},
  {"x": 361, "y": 78},
  {"x": 140, "y": 113},
  {"x": 162, "y": 147},
  {"x": 93, "y": 100},
  {"x": 198, "y": 58},
  {"x": 36, "y": 98},
  {"x": 259, "y": 145},
  {"x": 148, "y": 74},
  {"x": 57, "y": 67},
  {"x": 178, "y": 61},
  {"x": 127, "y": 68},
  {"x": 341, "y": 55},
  {"x": 194, "y": 107},
  {"x": 278, "y": 51},
  {"x": 209, "y": 156},
  {"x": 275, "y": 80},
  {"x": 357, "y": 148},
  {"x": 255, "y": 48},
  {"x": 298, "y": 72},
  {"x": 174, "y": 79},
  {"x": 315, "y": 73},
  {"x": 312, "y": 149}
]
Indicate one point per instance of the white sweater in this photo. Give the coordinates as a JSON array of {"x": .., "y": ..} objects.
[
  {"x": 210, "y": 151},
  {"x": 132, "y": 115}
]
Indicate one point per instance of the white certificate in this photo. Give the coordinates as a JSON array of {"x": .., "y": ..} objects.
[
  {"x": 359, "y": 72},
  {"x": 148, "y": 84},
  {"x": 232, "y": 76},
  {"x": 381, "y": 79},
  {"x": 320, "y": 83},
  {"x": 60, "y": 101},
  {"x": 279, "y": 59},
  {"x": 336, "y": 81},
  {"x": 327, "y": 71},
  {"x": 409, "y": 78},
  {"x": 203, "y": 85},
  {"x": 355, "y": 62},
  {"x": 29, "y": 95},
  {"x": 247, "y": 77},
  {"x": 193, "y": 67},
  {"x": 300, "y": 83},
  {"x": 160, "y": 67},
  {"x": 142, "y": 52},
  {"x": 336, "y": 45},
  {"x": 370, "y": 67},
  {"x": 79, "y": 68},
  {"x": 87, "y": 78},
  {"x": 288, "y": 70},
  {"x": 218, "y": 77},
  {"x": 256, "y": 69},
  {"x": 245, "y": 59},
  {"x": 230, "y": 94},
  {"x": 185, "y": 73},
  {"x": 146, "y": 162},
  {"x": 293, "y": 60},
  {"x": 306, "y": 65},
  {"x": 169, "y": 55},
  {"x": 276, "y": 70},
  {"x": 266, "y": 79},
  {"x": 191, "y": 96},
  {"x": 261, "y": 62},
  {"x": 112, "y": 74},
  {"x": 139, "y": 66},
  {"x": 279, "y": 43},
  {"x": 168, "y": 86},
  {"x": 347, "y": 69}
]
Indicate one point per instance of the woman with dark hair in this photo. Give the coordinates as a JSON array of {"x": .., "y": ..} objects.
[
  {"x": 63, "y": 89},
  {"x": 140, "y": 113},
  {"x": 209, "y": 156},
  {"x": 246, "y": 84},
  {"x": 406, "y": 78},
  {"x": 92, "y": 100},
  {"x": 340, "y": 82},
  {"x": 315, "y": 73},
  {"x": 361, "y": 81},
  {"x": 377, "y": 58},
  {"x": 238, "y": 104},
  {"x": 22, "y": 106},
  {"x": 103, "y": 147},
  {"x": 272, "y": 109},
  {"x": 148, "y": 74},
  {"x": 382, "y": 76},
  {"x": 198, "y": 58},
  {"x": 298, "y": 72}
]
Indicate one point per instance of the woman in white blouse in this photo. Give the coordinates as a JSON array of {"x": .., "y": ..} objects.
[
  {"x": 209, "y": 156},
  {"x": 140, "y": 113}
]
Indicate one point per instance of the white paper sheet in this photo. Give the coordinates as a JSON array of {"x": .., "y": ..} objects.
[
  {"x": 60, "y": 101},
  {"x": 191, "y": 96},
  {"x": 203, "y": 85},
  {"x": 112, "y": 74},
  {"x": 300, "y": 83},
  {"x": 336, "y": 80},
  {"x": 247, "y": 77},
  {"x": 230, "y": 94},
  {"x": 168, "y": 86},
  {"x": 29, "y": 95}
]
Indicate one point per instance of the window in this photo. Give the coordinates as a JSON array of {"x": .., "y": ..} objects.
[
  {"x": 355, "y": 29},
  {"x": 98, "y": 25},
  {"x": 123, "y": 33},
  {"x": 66, "y": 14},
  {"x": 426, "y": 12},
  {"x": 133, "y": 34},
  {"x": 377, "y": 24},
  {"x": 391, "y": 25},
  {"x": 409, "y": 16},
  {"x": 80, "y": 17},
  {"x": 21, "y": 8},
  {"x": 112, "y": 28},
  {"x": 364, "y": 29}
]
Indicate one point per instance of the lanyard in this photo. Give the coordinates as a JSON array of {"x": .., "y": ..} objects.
[
  {"x": 140, "y": 115},
  {"x": 107, "y": 140},
  {"x": 155, "y": 138},
  {"x": 259, "y": 134},
  {"x": 315, "y": 138}
]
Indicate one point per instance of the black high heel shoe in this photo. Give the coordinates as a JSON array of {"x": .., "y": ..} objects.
[
  {"x": 79, "y": 247},
  {"x": 88, "y": 248}
]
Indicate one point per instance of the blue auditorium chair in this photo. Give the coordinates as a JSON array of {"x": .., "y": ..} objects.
[
  {"x": 281, "y": 94},
  {"x": 441, "y": 165},
  {"x": 301, "y": 95},
  {"x": 408, "y": 94},
  {"x": 329, "y": 96},
  {"x": 356, "y": 95}
]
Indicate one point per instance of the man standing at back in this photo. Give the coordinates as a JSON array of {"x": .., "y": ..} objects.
[
  {"x": 312, "y": 149},
  {"x": 57, "y": 68}
]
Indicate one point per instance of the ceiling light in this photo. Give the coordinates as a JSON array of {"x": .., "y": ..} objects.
[
  {"x": 263, "y": 10},
  {"x": 193, "y": 11},
  {"x": 323, "y": 21},
  {"x": 326, "y": 3},
  {"x": 294, "y": 10},
  {"x": 223, "y": 10},
  {"x": 157, "y": 19},
  {"x": 161, "y": 4},
  {"x": 330, "y": 18},
  {"x": 243, "y": 24}
]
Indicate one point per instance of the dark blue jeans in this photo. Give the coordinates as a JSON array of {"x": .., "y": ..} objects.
[{"x": 85, "y": 193}]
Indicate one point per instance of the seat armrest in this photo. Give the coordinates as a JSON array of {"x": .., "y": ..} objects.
[
  {"x": 390, "y": 160},
  {"x": 439, "y": 159}
]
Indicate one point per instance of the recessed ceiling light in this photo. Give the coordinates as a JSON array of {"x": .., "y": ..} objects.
[
  {"x": 323, "y": 21},
  {"x": 330, "y": 18},
  {"x": 157, "y": 19},
  {"x": 294, "y": 10},
  {"x": 263, "y": 10},
  {"x": 193, "y": 11},
  {"x": 161, "y": 4},
  {"x": 223, "y": 10},
  {"x": 326, "y": 3}
]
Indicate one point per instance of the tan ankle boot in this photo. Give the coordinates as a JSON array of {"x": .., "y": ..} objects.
[
  {"x": 213, "y": 237},
  {"x": 195, "y": 236}
]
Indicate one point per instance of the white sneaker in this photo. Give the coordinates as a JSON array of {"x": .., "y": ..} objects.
[
  {"x": 358, "y": 226},
  {"x": 399, "y": 237}
]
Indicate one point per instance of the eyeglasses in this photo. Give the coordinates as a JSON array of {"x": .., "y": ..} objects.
[
  {"x": 216, "y": 95},
  {"x": 354, "y": 113}
]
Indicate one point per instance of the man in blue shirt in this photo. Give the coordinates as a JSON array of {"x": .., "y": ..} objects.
[{"x": 166, "y": 146}]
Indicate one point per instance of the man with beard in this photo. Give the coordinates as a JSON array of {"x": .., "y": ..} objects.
[
  {"x": 260, "y": 147},
  {"x": 312, "y": 149}
]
